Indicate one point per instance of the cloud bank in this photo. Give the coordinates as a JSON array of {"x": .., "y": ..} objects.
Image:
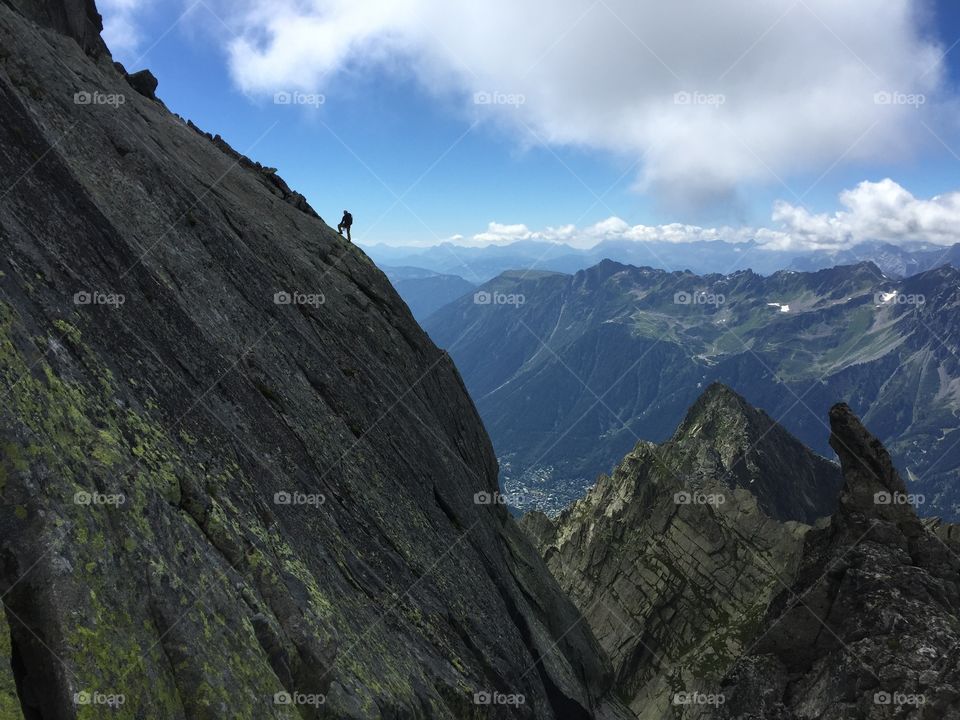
[
  {"x": 882, "y": 211},
  {"x": 873, "y": 211},
  {"x": 707, "y": 95}
]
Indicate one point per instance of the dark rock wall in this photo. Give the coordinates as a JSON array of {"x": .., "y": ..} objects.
[{"x": 232, "y": 464}]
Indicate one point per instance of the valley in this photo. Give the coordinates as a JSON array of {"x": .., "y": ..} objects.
[{"x": 595, "y": 361}]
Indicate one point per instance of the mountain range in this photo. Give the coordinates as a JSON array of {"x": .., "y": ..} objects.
[
  {"x": 894, "y": 261},
  {"x": 590, "y": 363},
  {"x": 480, "y": 264}
]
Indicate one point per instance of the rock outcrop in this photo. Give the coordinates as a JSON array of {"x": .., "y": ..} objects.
[
  {"x": 871, "y": 626},
  {"x": 673, "y": 559},
  {"x": 144, "y": 82},
  {"x": 77, "y": 19},
  {"x": 238, "y": 480}
]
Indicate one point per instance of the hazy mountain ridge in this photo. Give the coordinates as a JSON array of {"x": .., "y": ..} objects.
[
  {"x": 617, "y": 353},
  {"x": 425, "y": 291},
  {"x": 895, "y": 261},
  {"x": 479, "y": 264}
]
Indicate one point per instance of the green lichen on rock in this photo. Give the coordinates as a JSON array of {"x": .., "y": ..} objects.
[
  {"x": 73, "y": 425},
  {"x": 142, "y": 462},
  {"x": 9, "y": 703}
]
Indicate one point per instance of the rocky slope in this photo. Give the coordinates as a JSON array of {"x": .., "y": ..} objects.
[
  {"x": 871, "y": 626},
  {"x": 238, "y": 480},
  {"x": 674, "y": 557},
  {"x": 595, "y": 360}
]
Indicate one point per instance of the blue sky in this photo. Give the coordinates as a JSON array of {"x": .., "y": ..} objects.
[{"x": 397, "y": 118}]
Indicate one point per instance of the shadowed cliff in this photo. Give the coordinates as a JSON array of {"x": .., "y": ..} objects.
[{"x": 238, "y": 480}]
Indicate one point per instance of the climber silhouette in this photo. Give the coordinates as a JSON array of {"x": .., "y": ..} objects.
[{"x": 345, "y": 224}]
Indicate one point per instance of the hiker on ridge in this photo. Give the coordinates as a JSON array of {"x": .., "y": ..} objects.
[{"x": 345, "y": 224}]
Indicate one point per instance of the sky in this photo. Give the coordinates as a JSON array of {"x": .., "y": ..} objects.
[{"x": 799, "y": 123}]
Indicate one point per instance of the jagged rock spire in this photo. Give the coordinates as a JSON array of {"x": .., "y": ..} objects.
[
  {"x": 868, "y": 629},
  {"x": 873, "y": 489}
]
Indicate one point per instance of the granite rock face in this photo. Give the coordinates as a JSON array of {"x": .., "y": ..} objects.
[
  {"x": 234, "y": 470},
  {"x": 673, "y": 559},
  {"x": 871, "y": 626},
  {"x": 77, "y": 19}
]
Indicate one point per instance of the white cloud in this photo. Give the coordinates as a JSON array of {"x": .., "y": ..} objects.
[
  {"x": 873, "y": 211},
  {"x": 121, "y": 31},
  {"x": 882, "y": 211},
  {"x": 498, "y": 234},
  {"x": 710, "y": 94},
  {"x": 611, "y": 229}
]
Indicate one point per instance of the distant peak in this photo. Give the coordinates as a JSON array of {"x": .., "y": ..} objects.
[
  {"x": 719, "y": 390},
  {"x": 726, "y": 439},
  {"x": 721, "y": 416},
  {"x": 607, "y": 267},
  {"x": 718, "y": 395}
]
